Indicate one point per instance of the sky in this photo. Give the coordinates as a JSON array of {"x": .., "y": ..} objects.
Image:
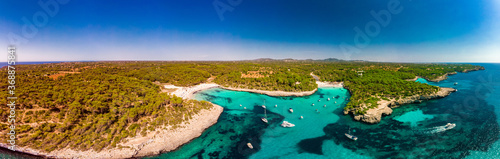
[{"x": 381, "y": 30}]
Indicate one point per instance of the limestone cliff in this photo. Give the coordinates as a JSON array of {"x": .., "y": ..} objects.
[{"x": 374, "y": 115}]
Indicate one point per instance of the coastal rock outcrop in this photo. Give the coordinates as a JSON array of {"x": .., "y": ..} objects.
[
  {"x": 374, "y": 115},
  {"x": 445, "y": 76}
]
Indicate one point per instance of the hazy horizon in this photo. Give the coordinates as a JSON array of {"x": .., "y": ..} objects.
[
  {"x": 354, "y": 60},
  {"x": 417, "y": 31}
]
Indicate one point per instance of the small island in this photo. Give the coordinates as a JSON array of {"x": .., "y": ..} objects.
[{"x": 129, "y": 109}]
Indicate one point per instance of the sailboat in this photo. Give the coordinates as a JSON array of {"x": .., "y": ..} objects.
[
  {"x": 352, "y": 137},
  {"x": 264, "y": 119}
]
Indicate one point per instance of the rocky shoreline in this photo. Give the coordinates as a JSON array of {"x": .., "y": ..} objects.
[
  {"x": 445, "y": 76},
  {"x": 154, "y": 143},
  {"x": 374, "y": 116}
]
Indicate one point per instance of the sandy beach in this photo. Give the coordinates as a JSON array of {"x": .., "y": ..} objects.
[{"x": 188, "y": 92}]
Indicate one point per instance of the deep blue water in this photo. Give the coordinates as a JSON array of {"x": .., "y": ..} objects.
[{"x": 412, "y": 131}]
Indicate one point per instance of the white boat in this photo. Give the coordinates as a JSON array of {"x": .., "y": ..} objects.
[
  {"x": 352, "y": 137},
  {"x": 244, "y": 107},
  {"x": 301, "y": 117},
  {"x": 328, "y": 99},
  {"x": 313, "y": 104},
  {"x": 276, "y": 105},
  {"x": 455, "y": 83},
  {"x": 319, "y": 100},
  {"x": 324, "y": 105},
  {"x": 290, "y": 110},
  {"x": 263, "y": 106},
  {"x": 240, "y": 105},
  {"x": 335, "y": 102},
  {"x": 449, "y": 126},
  {"x": 250, "y": 145},
  {"x": 286, "y": 124},
  {"x": 264, "y": 119}
]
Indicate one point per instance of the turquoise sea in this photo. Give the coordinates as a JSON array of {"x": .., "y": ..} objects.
[{"x": 412, "y": 131}]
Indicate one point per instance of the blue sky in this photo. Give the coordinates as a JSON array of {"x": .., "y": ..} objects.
[{"x": 417, "y": 31}]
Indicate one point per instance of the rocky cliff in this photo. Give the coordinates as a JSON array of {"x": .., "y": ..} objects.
[{"x": 374, "y": 115}]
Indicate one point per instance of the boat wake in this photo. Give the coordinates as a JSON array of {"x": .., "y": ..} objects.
[{"x": 436, "y": 129}]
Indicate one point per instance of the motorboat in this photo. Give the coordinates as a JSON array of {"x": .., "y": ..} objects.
[
  {"x": 449, "y": 126},
  {"x": 350, "y": 136}
]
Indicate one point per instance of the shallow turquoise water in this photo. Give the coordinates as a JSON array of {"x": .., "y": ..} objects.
[
  {"x": 413, "y": 117},
  {"x": 421, "y": 80},
  {"x": 412, "y": 131}
]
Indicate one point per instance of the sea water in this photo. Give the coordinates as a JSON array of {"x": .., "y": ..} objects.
[{"x": 412, "y": 131}]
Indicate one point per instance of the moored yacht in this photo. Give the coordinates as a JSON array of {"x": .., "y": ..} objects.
[
  {"x": 250, "y": 145},
  {"x": 286, "y": 124}
]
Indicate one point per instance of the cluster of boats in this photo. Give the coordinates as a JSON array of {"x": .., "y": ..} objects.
[{"x": 285, "y": 123}]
